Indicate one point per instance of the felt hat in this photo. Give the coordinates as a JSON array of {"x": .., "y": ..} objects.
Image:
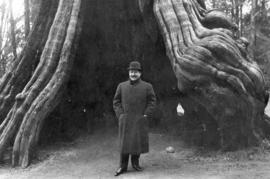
[{"x": 135, "y": 65}]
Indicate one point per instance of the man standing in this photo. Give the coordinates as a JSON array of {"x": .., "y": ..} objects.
[{"x": 133, "y": 103}]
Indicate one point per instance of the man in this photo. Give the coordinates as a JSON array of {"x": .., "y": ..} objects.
[{"x": 133, "y": 103}]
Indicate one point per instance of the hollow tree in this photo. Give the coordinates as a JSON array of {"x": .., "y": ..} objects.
[{"x": 221, "y": 88}]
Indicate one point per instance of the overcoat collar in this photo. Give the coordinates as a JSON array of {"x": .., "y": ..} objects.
[{"x": 135, "y": 82}]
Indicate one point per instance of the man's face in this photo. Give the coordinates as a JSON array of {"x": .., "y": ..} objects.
[{"x": 134, "y": 75}]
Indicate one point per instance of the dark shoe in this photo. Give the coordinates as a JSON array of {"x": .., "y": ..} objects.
[
  {"x": 120, "y": 171},
  {"x": 137, "y": 167}
]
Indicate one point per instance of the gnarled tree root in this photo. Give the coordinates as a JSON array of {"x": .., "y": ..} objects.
[{"x": 213, "y": 69}]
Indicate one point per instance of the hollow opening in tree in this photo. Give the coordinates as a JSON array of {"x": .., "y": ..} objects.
[{"x": 207, "y": 68}]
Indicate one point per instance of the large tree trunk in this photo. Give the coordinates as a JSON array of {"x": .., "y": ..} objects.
[
  {"x": 14, "y": 81},
  {"x": 253, "y": 26},
  {"x": 223, "y": 90},
  {"x": 26, "y": 18},
  {"x": 12, "y": 30},
  {"x": 38, "y": 93}
]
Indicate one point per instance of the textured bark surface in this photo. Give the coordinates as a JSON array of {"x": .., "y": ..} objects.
[
  {"x": 223, "y": 89},
  {"x": 42, "y": 91},
  {"x": 14, "y": 81}
]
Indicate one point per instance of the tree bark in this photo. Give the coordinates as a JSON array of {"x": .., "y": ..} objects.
[
  {"x": 34, "y": 6},
  {"x": 253, "y": 27},
  {"x": 214, "y": 4},
  {"x": 14, "y": 80},
  {"x": 237, "y": 12},
  {"x": 12, "y": 30},
  {"x": 223, "y": 90},
  {"x": 42, "y": 91},
  {"x": 26, "y": 18},
  {"x": 2, "y": 28},
  {"x": 241, "y": 18},
  {"x": 48, "y": 98}
]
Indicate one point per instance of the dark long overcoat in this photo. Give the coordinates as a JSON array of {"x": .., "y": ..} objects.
[{"x": 131, "y": 102}]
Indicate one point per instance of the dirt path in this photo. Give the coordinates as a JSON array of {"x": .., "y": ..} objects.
[{"x": 96, "y": 156}]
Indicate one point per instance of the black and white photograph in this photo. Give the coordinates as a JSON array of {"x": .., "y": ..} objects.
[{"x": 134, "y": 89}]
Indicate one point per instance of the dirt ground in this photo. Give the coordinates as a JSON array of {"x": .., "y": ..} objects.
[{"x": 95, "y": 156}]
